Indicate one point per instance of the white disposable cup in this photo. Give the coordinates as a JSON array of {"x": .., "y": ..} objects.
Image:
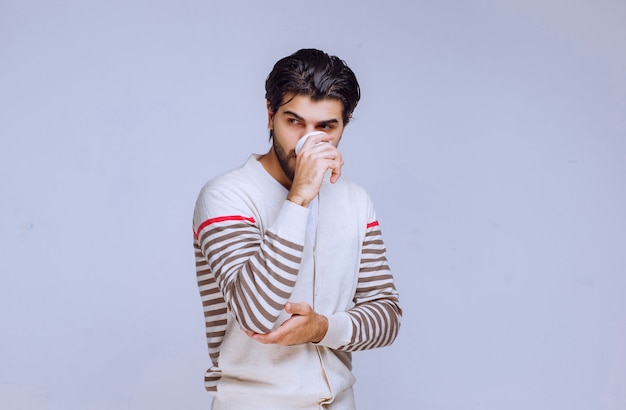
[{"x": 302, "y": 140}]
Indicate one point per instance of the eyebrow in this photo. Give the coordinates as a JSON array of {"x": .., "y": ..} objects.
[{"x": 325, "y": 122}]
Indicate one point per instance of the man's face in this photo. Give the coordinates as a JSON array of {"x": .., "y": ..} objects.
[{"x": 299, "y": 116}]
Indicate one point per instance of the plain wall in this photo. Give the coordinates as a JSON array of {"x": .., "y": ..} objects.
[{"x": 491, "y": 136}]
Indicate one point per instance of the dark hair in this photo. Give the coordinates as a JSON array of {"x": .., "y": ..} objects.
[{"x": 316, "y": 74}]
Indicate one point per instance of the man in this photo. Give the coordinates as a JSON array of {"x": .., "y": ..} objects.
[{"x": 290, "y": 260}]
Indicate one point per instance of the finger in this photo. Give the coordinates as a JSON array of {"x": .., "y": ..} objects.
[
  {"x": 322, "y": 138},
  {"x": 279, "y": 336},
  {"x": 318, "y": 140},
  {"x": 265, "y": 338},
  {"x": 336, "y": 172}
]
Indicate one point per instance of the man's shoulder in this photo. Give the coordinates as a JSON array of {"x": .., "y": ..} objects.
[
  {"x": 235, "y": 178},
  {"x": 233, "y": 192}
]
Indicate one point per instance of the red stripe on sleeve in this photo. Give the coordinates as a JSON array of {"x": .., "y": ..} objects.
[
  {"x": 372, "y": 224},
  {"x": 222, "y": 219}
]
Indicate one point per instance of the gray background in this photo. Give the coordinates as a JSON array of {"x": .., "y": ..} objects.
[{"x": 491, "y": 136}]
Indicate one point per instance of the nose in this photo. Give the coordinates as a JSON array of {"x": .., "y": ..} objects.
[{"x": 309, "y": 129}]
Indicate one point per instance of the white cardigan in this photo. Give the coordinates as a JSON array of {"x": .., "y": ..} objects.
[{"x": 253, "y": 255}]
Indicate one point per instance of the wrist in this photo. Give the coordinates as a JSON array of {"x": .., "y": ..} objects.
[
  {"x": 322, "y": 328},
  {"x": 298, "y": 200}
]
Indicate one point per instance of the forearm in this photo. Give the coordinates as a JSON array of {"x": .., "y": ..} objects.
[
  {"x": 255, "y": 271},
  {"x": 368, "y": 325},
  {"x": 374, "y": 320}
]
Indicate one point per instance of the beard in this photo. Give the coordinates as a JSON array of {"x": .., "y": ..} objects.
[{"x": 283, "y": 159}]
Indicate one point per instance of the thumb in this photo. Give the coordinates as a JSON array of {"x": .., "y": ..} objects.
[{"x": 296, "y": 308}]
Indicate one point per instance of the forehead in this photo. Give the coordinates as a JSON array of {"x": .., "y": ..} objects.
[{"x": 312, "y": 110}]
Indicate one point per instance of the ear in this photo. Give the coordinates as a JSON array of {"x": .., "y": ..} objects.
[{"x": 270, "y": 116}]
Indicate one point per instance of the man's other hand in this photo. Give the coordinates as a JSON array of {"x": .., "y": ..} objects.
[{"x": 303, "y": 326}]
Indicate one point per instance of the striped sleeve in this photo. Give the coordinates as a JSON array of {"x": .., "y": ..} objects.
[
  {"x": 376, "y": 315},
  {"x": 214, "y": 308},
  {"x": 250, "y": 272}
]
